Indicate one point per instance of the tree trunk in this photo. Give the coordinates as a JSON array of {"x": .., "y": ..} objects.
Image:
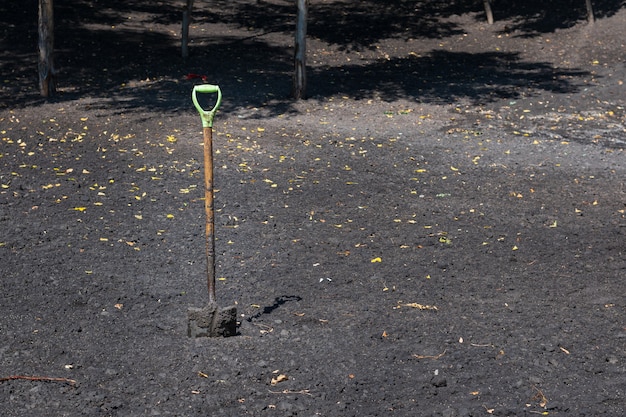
[
  {"x": 47, "y": 72},
  {"x": 185, "y": 28},
  {"x": 488, "y": 11},
  {"x": 299, "y": 77},
  {"x": 590, "y": 17}
]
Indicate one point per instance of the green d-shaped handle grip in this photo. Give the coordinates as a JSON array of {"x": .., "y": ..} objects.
[{"x": 206, "y": 115}]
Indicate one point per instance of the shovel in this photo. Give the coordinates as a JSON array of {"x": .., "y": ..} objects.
[{"x": 210, "y": 321}]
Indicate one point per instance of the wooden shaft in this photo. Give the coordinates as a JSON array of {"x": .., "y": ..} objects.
[{"x": 209, "y": 210}]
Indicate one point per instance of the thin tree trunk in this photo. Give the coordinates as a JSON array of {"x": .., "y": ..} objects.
[
  {"x": 47, "y": 72},
  {"x": 590, "y": 16},
  {"x": 488, "y": 11},
  {"x": 185, "y": 28},
  {"x": 299, "y": 77}
]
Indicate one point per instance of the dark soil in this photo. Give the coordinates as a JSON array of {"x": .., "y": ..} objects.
[{"x": 439, "y": 230}]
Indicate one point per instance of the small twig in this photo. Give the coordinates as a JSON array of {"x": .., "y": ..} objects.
[
  {"x": 435, "y": 357},
  {"x": 37, "y": 378},
  {"x": 287, "y": 391},
  {"x": 418, "y": 306},
  {"x": 540, "y": 397}
]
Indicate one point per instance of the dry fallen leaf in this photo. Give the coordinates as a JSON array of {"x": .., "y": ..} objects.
[{"x": 279, "y": 378}]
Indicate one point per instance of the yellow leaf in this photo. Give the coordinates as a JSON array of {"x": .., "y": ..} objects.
[
  {"x": 79, "y": 208},
  {"x": 279, "y": 378},
  {"x": 170, "y": 216},
  {"x": 376, "y": 260},
  {"x": 514, "y": 248},
  {"x": 138, "y": 216},
  {"x": 454, "y": 168},
  {"x": 171, "y": 139}
]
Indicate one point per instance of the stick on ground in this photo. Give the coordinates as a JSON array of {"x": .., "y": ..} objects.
[{"x": 37, "y": 378}]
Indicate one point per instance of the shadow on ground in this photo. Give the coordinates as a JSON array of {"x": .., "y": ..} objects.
[{"x": 138, "y": 64}]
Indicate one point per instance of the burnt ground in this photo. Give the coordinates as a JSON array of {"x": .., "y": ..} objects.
[{"x": 439, "y": 230}]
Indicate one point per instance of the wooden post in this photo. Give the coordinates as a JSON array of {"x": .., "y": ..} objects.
[
  {"x": 185, "y": 28},
  {"x": 47, "y": 72},
  {"x": 488, "y": 11},
  {"x": 590, "y": 16},
  {"x": 299, "y": 77}
]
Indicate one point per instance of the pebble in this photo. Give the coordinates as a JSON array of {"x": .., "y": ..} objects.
[{"x": 439, "y": 381}]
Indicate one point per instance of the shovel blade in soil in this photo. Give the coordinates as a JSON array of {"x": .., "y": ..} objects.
[{"x": 212, "y": 321}]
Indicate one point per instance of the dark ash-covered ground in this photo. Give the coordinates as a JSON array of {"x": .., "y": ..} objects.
[{"x": 439, "y": 230}]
